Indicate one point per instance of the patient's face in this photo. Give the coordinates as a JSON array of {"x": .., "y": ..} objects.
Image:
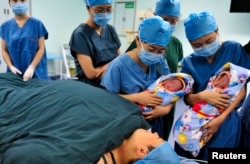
[
  {"x": 172, "y": 85},
  {"x": 148, "y": 138}
]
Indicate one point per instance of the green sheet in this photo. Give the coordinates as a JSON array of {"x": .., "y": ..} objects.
[{"x": 64, "y": 121}]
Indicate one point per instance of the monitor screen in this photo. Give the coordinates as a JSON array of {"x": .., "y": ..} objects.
[{"x": 240, "y": 6}]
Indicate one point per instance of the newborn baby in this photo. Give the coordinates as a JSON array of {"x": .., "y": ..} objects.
[
  {"x": 171, "y": 88},
  {"x": 228, "y": 80},
  {"x": 172, "y": 85},
  {"x": 222, "y": 81}
]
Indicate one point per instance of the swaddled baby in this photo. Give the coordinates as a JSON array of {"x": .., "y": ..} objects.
[
  {"x": 228, "y": 80},
  {"x": 170, "y": 88}
]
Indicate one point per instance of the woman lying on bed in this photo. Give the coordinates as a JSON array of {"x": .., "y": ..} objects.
[{"x": 71, "y": 122}]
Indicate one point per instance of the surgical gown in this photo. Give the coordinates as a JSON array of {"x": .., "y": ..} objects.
[
  {"x": 22, "y": 45},
  {"x": 228, "y": 135},
  {"x": 100, "y": 48}
]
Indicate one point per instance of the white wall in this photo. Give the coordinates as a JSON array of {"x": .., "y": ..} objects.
[
  {"x": 232, "y": 26},
  {"x": 61, "y": 17}
]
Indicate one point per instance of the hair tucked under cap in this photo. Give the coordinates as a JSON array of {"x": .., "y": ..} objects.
[
  {"x": 154, "y": 31},
  {"x": 168, "y": 8},
  {"x": 97, "y": 2},
  {"x": 161, "y": 154},
  {"x": 199, "y": 24}
]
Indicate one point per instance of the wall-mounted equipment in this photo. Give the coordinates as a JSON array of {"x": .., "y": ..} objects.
[{"x": 240, "y": 6}]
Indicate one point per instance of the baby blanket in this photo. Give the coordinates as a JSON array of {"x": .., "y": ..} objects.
[
  {"x": 187, "y": 127},
  {"x": 168, "y": 96}
]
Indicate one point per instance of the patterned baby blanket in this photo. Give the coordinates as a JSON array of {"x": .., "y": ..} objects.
[{"x": 186, "y": 130}]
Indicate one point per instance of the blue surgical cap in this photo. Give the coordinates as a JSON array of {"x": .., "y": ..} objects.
[
  {"x": 161, "y": 154},
  {"x": 97, "y": 2},
  {"x": 199, "y": 24},
  {"x": 155, "y": 31},
  {"x": 168, "y": 8}
]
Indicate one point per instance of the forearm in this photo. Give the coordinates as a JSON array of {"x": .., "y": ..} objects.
[
  {"x": 233, "y": 104},
  {"x": 5, "y": 53},
  {"x": 40, "y": 52},
  {"x": 37, "y": 58},
  {"x": 130, "y": 97},
  {"x": 191, "y": 99},
  {"x": 87, "y": 66},
  {"x": 118, "y": 51},
  {"x": 167, "y": 108},
  {"x": 6, "y": 58}
]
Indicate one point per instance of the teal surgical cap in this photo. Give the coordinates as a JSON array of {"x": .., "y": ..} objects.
[
  {"x": 155, "y": 31},
  {"x": 168, "y": 8},
  {"x": 161, "y": 154},
  {"x": 199, "y": 24},
  {"x": 97, "y": 2}
]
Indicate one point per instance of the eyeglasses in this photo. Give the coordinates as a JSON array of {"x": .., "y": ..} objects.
[
  {"x": 15, "y": 1},
  {"x": 102, "y": 9}
]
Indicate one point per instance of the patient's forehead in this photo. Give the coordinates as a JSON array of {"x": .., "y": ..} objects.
[{"x": 147, "y": 137}]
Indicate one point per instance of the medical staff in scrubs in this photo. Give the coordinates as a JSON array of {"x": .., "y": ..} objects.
[
  {"x": 210, "y": 53},
  {"x": 169, "y": 10},
  {"x": 247, "y": 47},
  {"x": 94, "y": 43},
  {"x": 132, "y": 72},
  {"x": 23, "y": 43}
]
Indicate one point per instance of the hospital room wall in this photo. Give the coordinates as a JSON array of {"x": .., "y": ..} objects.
[
  {"x": 61, "y": 17},
  {"x": 232, "y": 26}
]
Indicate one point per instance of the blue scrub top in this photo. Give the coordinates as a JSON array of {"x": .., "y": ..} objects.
[
  {"x": 22, "y": 44},
  {"x": 201, "y": 70},
  {"x": 125, "y": 76},
  {"x": 100, "y": 48}
]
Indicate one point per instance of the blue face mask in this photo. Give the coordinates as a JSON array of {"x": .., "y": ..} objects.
[
  {"x": 164, "y": 153},
  {"x": 149, "y": 58},
  {"x": 102, "y": 19},
  {"x": 173, "y": 28},
  {"x": 208, "y": 50},
  {"x": 20, "y": 8}
]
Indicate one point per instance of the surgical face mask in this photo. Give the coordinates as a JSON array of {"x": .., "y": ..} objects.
[
  {"x": 101, "y": 19},
  {"x": 173, "y": 28},
  {"x": 149, "y": 58},
  {"x": 208, "y": 50},
  {"x": 20, "y": 8}
]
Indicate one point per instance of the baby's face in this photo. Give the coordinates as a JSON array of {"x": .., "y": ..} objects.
[
  {"x": 223, "y": 82},
  {"x": 172, "y": 85}
]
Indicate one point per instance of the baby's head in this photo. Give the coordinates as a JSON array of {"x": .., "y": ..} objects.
[
  {"x": 173, "y": 84},
  {"x": 222, "y": 80}
]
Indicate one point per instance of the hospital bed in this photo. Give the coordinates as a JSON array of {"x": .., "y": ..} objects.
[{"x": 62, "y": 121}]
